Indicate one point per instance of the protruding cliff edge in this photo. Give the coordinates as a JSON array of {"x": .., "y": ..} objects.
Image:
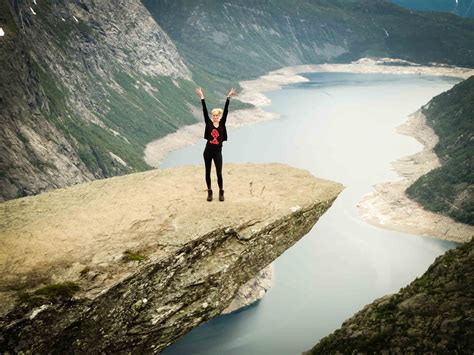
[{"x": 145, "y": 255}]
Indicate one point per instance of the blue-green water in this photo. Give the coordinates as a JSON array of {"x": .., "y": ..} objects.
[{"x": 339, "y": 127}]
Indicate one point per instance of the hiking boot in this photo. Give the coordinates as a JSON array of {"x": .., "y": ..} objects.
[
  {"x": 209, "y": 195},
  {"x": 221, "y": 195}
]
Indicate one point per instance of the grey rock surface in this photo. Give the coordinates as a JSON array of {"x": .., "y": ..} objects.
[
  {"x": 59, "y": 69},
  {"x": 252, "y": 291}
]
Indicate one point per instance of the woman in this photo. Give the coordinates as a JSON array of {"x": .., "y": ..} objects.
[{"x": 215, "y": 133}]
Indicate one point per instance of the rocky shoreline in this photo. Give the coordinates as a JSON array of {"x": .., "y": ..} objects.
[{"x": 389, "y": 207}]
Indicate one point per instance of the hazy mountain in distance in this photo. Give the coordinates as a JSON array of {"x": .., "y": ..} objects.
[{"x": 242, "y": 39}]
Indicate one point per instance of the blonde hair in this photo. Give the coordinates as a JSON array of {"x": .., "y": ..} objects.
[{"x": 217, "y": 110}]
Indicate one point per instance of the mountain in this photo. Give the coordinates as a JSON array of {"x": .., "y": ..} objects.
[
  {"x": 449, "y": 189},
  {"x": 241, "y": 38},
  {"x": 87, "y": 84},
  {"x": 458, "y": 7}
]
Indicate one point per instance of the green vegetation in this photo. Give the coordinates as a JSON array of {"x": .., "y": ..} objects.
[
  {"x": 41, "y": 164},
  {"x": 57, "y": 95},
  {"x": 6, "y": 20},
  {"x": 51, "y": 293},
  {"x": 142, "y": 116},
  {"x": 137, "y": 115},
  {"x": 22, "y": 137},
  {"x": 60, "y": 31},
  {"x": 94, "y": 143},
  {"x": 450, "y": 188},
  {"x": 128, "y": 255}
]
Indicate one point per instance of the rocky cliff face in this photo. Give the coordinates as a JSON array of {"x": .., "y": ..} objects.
[
  {"x": 434, "y": 314},
  {"x": 449, "y": 189},
  {"x": 132, "y": 263},
  {"x": 81, "y": 91},
  {"x": 35, "y": 155}
]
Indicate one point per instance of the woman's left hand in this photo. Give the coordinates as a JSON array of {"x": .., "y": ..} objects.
[{"x": 232, "y": 92}]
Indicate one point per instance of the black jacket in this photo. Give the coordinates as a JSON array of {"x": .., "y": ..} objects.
[{"x": 208, "y": 121}]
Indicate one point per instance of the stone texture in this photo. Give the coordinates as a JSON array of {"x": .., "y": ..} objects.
[
  {"x": 34, "y": 155},
  {"x": 79, "y": 47},
  {"x": 195, "y": 254},
  {"x": 252, "y": 291}
]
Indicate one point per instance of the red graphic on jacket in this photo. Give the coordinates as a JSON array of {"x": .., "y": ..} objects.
[{"x": 214, "y": 135}]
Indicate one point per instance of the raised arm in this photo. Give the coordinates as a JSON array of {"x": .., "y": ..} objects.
[
  {"x": 231, "y": 93},
  {"x": 226, "y": 110},
  {"x": 200, "y": 93}
]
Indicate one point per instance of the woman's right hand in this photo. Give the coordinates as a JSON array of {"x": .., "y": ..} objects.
[
  {"x": 232, "y": 92},
  {"x": 199, "y": 92}
]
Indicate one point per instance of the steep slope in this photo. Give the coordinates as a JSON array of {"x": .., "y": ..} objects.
[
  {"x": 35, "y": 155},
  {"x": 144, "y": 255},
  {"x": 449, "y": 189},
  {"x": 238, "y": 39},
  {"x": 87, "y": 85},
  {"x": 432, "y": 315}
]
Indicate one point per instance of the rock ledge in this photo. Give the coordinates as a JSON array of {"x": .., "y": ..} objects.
[{"x": 150, "y": 257}]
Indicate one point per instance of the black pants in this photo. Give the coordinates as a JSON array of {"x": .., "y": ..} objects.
[{"x": 211, "y": 153}]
